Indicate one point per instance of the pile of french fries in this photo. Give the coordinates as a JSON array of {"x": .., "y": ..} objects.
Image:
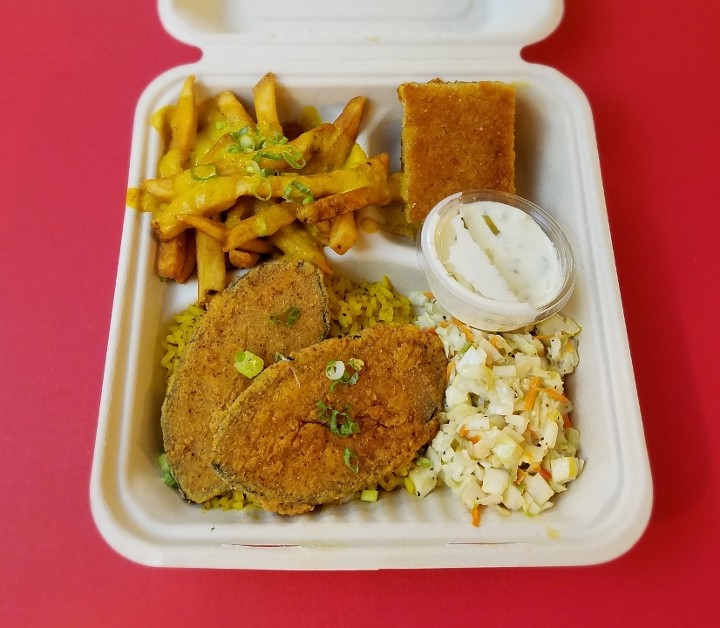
[{"x": 231, "y": 188}]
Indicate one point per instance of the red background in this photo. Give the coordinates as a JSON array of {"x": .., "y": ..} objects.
[{"x": 71, "y": 73}]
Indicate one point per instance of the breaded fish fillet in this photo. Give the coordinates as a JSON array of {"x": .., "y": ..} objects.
[
  {"x": 278, "y": 307},
  {"x": 456, "y": 137},
  {"x": 292, "y": 442}
]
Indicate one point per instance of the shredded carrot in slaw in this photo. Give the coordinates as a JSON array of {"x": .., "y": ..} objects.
[
  {"x": 532, "y": 394},
  {"x": 556, "y": 395},
  {"x": 464, "y": 329},
  {"x": 476, "y": 516}
]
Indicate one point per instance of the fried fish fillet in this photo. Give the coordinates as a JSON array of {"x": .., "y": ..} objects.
[
  {"x": 455, "y": 137},
  {"x": 293, "y": 441},
  {"x": 278, "y": 307}
]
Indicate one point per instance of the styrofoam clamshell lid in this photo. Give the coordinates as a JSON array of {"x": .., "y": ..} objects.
[
  {"x": 325, "y": 53},
  {"x": 287, "y": 27}
]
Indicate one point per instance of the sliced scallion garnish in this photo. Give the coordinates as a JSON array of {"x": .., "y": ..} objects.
[
  {"x": 294, "y": 157},
  {"x": 304, "y": 190},
  {"x": 335, "y": 369},
  {"x": 350, "y": 458},
  {"x": 266, "y": 154},
  {"x": 339, "y": 422},
  {"x": 203, "y": 172},
  {"x": 166, "y": 471},
  {"x": 248, "y": 364},
  {"x": 369, "y": 495},
  {"x": 288, "y": 317},
  {"x": 262, "y": 181},
  {"x": 491, "y": 225},
  {"x": 340, "y": 374}
]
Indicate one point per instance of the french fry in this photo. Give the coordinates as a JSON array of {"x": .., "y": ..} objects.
[
  {"x": 160, "y": 121},
  {"x": 343, "y": 228},
  {"x": 338, "y": 204},
  {"x": 373, "y": 192},
  {"x": 211, "y": 126},
  {"x": 396, "y": 186},
  {"x": 394, "y": 221},
  {"x": 234, "y": 111},
  {"x": 343, "y": 233},
  {"x": 320, "y": 231},
  {"x": 167, "y": 188},
  {"x": 297, "y": 243},
  {"x": 242, "y": 209},
  {"x": 203, "y": 199},
  {"x": 266, "y": 114},
  {"x": 257, "y": 245},
  {"x": 338, "y": 146},
  {"x": 141, "y": 201},
  {"x": 216, "y": 230},
  {"x": 372, "y": 173},
  {"x": 210, "y": 267},
  {"x": 243, "y": 259},
  {"x": 176, "y": 258},
  {"x": 183, "y": 127},
  {"x": 265, "y": 222}
]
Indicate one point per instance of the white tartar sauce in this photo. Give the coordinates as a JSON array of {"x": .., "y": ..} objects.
[{"x": 499, "y": 252}]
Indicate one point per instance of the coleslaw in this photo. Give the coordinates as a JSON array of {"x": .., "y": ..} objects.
[{"x": 505, "y": 439}]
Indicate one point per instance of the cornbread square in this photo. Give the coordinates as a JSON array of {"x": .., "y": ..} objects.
[{"x": 455, "y": 137}]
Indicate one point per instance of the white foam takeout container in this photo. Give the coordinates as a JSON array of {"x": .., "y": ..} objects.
[{"x": 324, "y": 53}]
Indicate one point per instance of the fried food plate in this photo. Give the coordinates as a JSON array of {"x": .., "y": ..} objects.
[{"x": 602, "y": 514}]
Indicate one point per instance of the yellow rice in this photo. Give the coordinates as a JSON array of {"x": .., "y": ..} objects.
[
  {"x": 179, "y": 334},
  {"x": 356, "y": 306}
]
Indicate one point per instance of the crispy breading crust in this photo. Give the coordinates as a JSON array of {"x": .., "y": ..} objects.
[
  {"x": 205, "y": 379},
  {"x": 274, "y": 444},
  {"x": 456, "y": 137}
]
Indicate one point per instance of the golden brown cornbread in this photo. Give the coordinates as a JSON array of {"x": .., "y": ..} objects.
[{"x": 456, "y": 136}]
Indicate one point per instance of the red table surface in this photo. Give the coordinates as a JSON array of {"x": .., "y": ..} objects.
[{"x": 71, "y": 74}]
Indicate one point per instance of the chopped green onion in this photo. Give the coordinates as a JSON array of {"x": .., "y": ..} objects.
[
  {"x": 266, "y": 154},
  {"x": 369, "y": 495},
  {"x": 350, "y": 458},
  {"x": 261, "y": 226},
  {"x": 344, "y": 377},
  {"x": 252, "y": 168},
  {"x": 300, "y": 187},
  {"x": 423, "y": 462},
  {"x": 247, "y": 143},
  {"x": 349, "y": 427},
  {"x": 248, "y": 364},
  {"x": 233, "y": 148},
  {"x": 288, "y": 317},
  {"x": 203, "y": 172},
  {"x": 335, "y": 369},
  {"x": 339, "y": 422},
  {"x": 491, "y": 225},
  {"x": 166, "y": 471},
  {"x": 268, "y": 187},
  {"x": 220, "y": 125},
  {"x": 277, "y": 138},
  {"x": 294, "y": 157},
  {"x": 279, "y": 357}
]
